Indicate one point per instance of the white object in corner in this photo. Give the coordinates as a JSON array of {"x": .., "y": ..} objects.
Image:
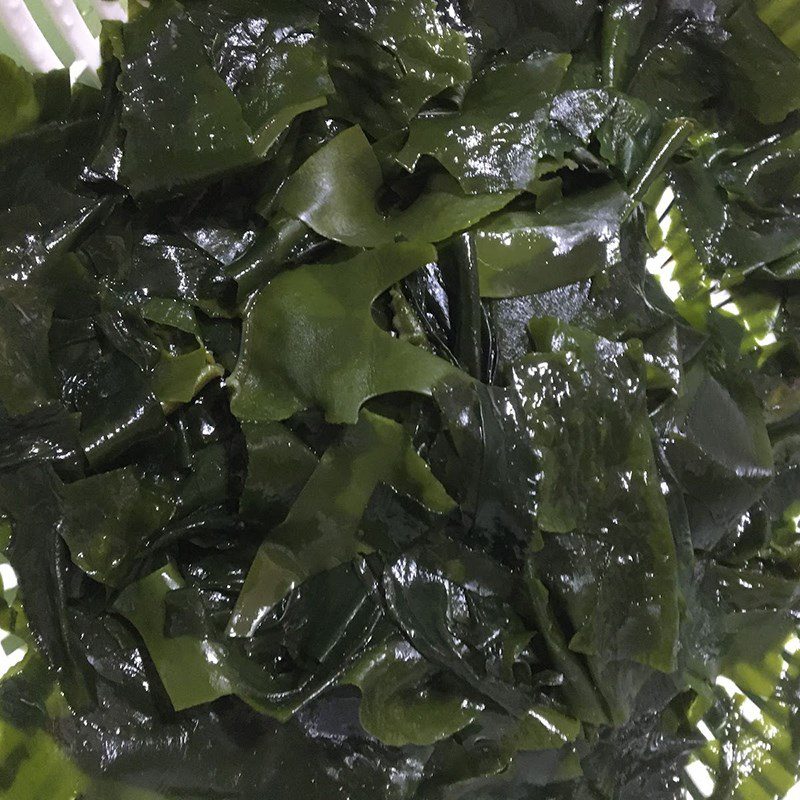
[
  {"x": 51, "y": 34},
  {"x": 17, "y": 20}
]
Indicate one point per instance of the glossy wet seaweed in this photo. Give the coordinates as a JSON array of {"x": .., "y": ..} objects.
[{"x": 402, "y": 400}]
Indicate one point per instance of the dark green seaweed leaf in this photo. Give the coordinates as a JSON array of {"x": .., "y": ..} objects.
[
  {"x": 171, "y": 144},
  {"x": 388, "y": 59},
  {"x": 623, "y": 126},
  {"x": 758, "y": 68},
  {"x": 336, "y": 192},
  {"x": 479, "y": 145},
  {"x": 717, "y": 444},
  {"x": 29, "y": 495},
  {"x": 272, "y": 58},
  {"x": 108, "y": 518},
  {"x": 29, "y": 98},
  {"x": 321, "y": 529},
  {"x": 522, "y": 26},
  {"x": 581, "y": 455},
  {"x": 309, "y": 339},
  {"x": 26, "y": 376},
  {"x": 400, "y": 400},
  {"x": 192, "y": 671},
  {"x": 278, "y": 465},
  {"x": 623, "y": 27},
  {"x": 524, "y": 253}
]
